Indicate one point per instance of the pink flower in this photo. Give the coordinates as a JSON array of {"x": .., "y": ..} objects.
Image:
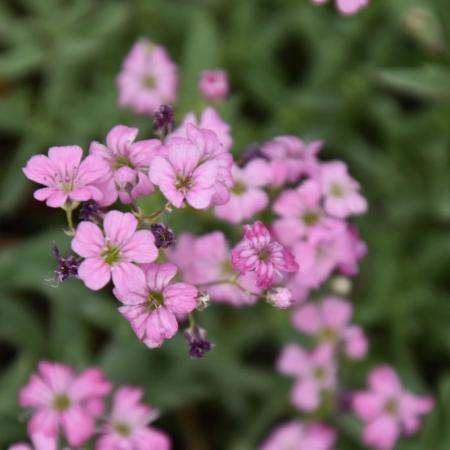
[
  {"x": 152, "y": 303},
  {"x": 211, "y": 120},
  {"x": 259, "y": 253},
  {"x": 329, "y": 321},
  {"x": 280, "y": 297},
  {"x": 388, "y": 410},
  {"x": 301, "y": 213},
  {"x": 61, "y": 399},
  {"x": 148, "y": 78},
  {"x": 194, "y": 171},
  {"x": 40, "y": 442},
  {"x": 247, "y": 197},
  {"x": 127, "y": 163},
  {"x": 315, "y": 373},
  {"x": 127, "y": 428},
  {"x": 299, "y": 436},
  {"x": 347, "y": 7},
  {"x": 113, "y": 251},
  {"x": 341, "y": 192},
  {"x": 291, "y": 158},
  {"x": 66, "y": 177},
  {"x": 213, "y": 84}
]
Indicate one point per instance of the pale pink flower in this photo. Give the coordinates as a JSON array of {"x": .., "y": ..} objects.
[
  {"x": 347, "y": 7},
  {"x": 65, "y": 176},
  {"x": 148, "y": 78},
  {"x": 128, "y": 163},
  {"x": 301, "y": 213},
  {"x": 194, "y": 171},
  {"x": 247, "y": 197},
  {"x": 388, "y": 410},
  {"x": 128, "y": 426},
  {"x": 61, "y": 399},
  {"x": 152, "y": 304},
  {"x": 315, "y": 373},
  {"x": 280, "y": 297},
  {"x": 351, "y": 249},
  {"x": 291, "y": 158},
  {"x": 211, "y": 120},
  {"x": 259, "y": 253},
  {"x": 40, "y": 441},
  {"x": 341, "y": 192},
  {"x": 329, "y": 322},
  {"x": 300, "y": 436},
  {"x": 213, "y": 84},
  {"x": 114, "y": 251}
]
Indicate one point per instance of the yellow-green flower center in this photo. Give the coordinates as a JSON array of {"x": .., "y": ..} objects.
[
  {"x": 183, "y": 183},
  {"x": 238, "y": 188},
  {"x": 121, "y": 161},
  {"x": 319, "y": 373},
  {"x": 391, "y": 407},
  {"x": 122, "y": 428},
  {"x": 327, "y": 335},
  {"x": 155, "y": 300},
  {"x": 111, "y": 255},
  {"x": 310, "y": 218},
  {"x": 61, "y": 402},
  {"x": 150, "y": 82},
  {"x": 337, "y": 190}
]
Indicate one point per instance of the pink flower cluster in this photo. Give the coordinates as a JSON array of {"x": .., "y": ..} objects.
[
  {"x": 67, "y": 407},
  {"x": 346, "y": 7}
]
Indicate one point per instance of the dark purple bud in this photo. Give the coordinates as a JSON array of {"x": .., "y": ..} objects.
[
  {"x": 164, "y": 236},
  {"x": 197, "y": 340},
  {"x": 344, "y": 400},
  {"x": 252, "y": 151},
  {"x": 90, "y": 211},
  {"x": 163, "y": 120},
  {"x": 67, "y": 266}
]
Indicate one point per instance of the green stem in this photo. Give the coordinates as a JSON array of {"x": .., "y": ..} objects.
[
  {"x": 191, "y": 320},
  {"x": 151, "y": 218}
]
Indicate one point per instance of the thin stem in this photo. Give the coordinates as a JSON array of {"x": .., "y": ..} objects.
[
  {"x": 71, "y": 230},
  {"x": 191, "y": 320},
  {"x": 151, "y": 218}
]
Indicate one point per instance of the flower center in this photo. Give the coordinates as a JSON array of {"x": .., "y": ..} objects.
[
  {"x": 121, "y": 161},
  {"x": 238, "y": 188},
  {"x": 337, "y": 190},
  {"x": 183, "y": 183},
  {"x": 391, "y": 407},
  {"x": 122, "y": 428},
  {"x": 327, "y": 334},
  {"x": 310, "y": 218},
  {"x": 264, "y": 255},
  {"x": 227, "y": 267},
  {"x": 319, "y": 373},
  {"x": 150, "y": 82},
  {"x": 155, "y": 300},
  {"x": 61, "y": 402},
  {"x": 111, "y": 255}
]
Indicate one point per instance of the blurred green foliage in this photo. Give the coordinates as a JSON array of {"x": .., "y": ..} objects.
[{"x": 375, "y": 87}]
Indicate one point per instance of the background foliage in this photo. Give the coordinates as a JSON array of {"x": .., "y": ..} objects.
[{"x": 376, "y": 87}]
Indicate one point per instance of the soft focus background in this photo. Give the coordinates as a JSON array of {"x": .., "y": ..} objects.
[{"x": 375, "y": 86}]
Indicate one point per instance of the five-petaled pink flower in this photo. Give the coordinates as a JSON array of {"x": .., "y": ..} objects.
[
  {"x": 347, "y": 7},
  {"x": 152, "y": 304},
  {"x": 329, "y": 321},
  {"x": 148, "y": 78},
  {"x": 113, "y": 251},
  {"x": 60, "y": 399},
  {"x": 388, "y": 410},
  {"x": 315, "y": 373},
  {"x": 341, "y": 191},
  {"x": 67, "y": 178},
  {"x": 300, "y": 436},
  {"x": 127, "y": 162},
  {"x": 258, "y": 252},
  {"x": 213, "y": 84},
  {"x": 128, "y": 426}
]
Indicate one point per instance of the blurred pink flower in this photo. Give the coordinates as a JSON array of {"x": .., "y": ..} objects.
[
  {"x": 152, "y": 303},
  {"x": 341, "y": 192},
  {"x": 128, "y": 426},
  {"x": 315, "y": 373},
  {"x": 113, "y": 251},
  {"x": 329, "y": 322},
  {"x": 61, "y": 399},
  {"x": 213, "y": 84},
  {"x": 258, "y": 252},
  {"x": 280, "y": 297},
  {"x": 247, "y": 197},
  {"x": 128, "y": 163},
  {"x": 65, "y": 176},
  {"x": 40, "y": 442},
  {"x": 388, "y": 410},
  {"x": 148, "y": 78},
  {"x": 299, "y": 436},
  {"x": 347, "y": 7}
]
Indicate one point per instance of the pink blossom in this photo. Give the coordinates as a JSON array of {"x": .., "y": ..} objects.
[
  {"x": 329, "y": 322},
  {"x": 300, "y": 436},
  {"x": 388, "y": 410},
  {"x": 195, "y": 169},
  {"x": 341, "y": 192},
  {"x": 148, "y": 78},
  {"x": 280, "y": 297},
  {"x": 211, "y": 120},
  {"x": 213, "y": 84},
  {"x": 127, "y": 163},
  {"x": 247, "y": 197},
  {"x": 347, "y": 7},
  {"x": 258, "y": 252},
  {"x": 152, "y": 303},
  {"x": 60, "y": 399},
  {"x": 301, "y": 213},
  {"x": 66, "y": 178},
  {"x": 113, "y": 251},
  {"x": 315, "y": 373},
  {"x": 128, "y": 426},
  {"x": 40, "y": 442},
  {"x": 291, "y": 158}
]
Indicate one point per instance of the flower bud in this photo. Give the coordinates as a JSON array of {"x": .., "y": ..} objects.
[
  {"x": 164, "y": 236},
  {"x": 280, "y": 297},
  {"x": 198, "y": 342},
  {"x": 203, "y": 300},
  {"x": 163, "y": 121}
]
